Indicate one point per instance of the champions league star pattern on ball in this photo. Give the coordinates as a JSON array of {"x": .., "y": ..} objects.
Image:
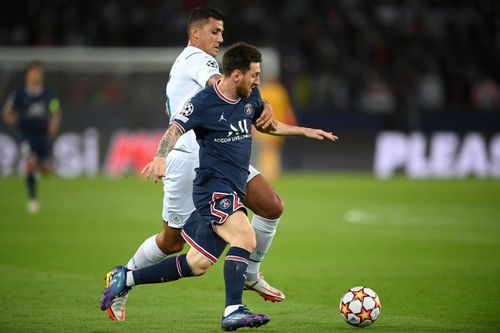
[{"x": 360, "y": 306}]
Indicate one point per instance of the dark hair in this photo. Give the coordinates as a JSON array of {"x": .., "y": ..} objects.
[
  {"x": 202, "y": 14},
  {"x": 240, "y": 56}
]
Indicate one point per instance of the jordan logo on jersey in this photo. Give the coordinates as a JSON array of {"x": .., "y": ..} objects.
[{"x": 222, "y": 117}]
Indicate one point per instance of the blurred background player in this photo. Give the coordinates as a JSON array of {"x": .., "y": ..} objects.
[
  {"x": 36, "y": 111},
  {"x": 269, "y": 147},
  {"x": 194, "y": 69}
]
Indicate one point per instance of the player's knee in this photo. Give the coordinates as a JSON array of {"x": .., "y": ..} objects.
[
  {"x": 274, "y": 209},
  {"x": 31, "y": 165},
  {"x": 169, "y": 245}
]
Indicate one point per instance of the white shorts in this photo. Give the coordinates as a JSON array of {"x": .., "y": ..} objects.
[
  {"x": 178, "y": 187},
  {"x": 253, "y": 172}
]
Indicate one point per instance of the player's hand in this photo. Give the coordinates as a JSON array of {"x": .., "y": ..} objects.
[
  {"x": 319, "y": 134},
  {"x": 9, "y": 116},
  {"x": 155, "y": 169},
  {"x": 266, "y": 121}
]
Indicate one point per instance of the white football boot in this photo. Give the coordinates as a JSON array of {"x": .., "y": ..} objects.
[
  {"x": 264, "y": 289},
  {"x": 117, "y": 309}
]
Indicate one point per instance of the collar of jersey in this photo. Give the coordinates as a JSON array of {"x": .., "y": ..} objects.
[{"x": 224, "y": 98}]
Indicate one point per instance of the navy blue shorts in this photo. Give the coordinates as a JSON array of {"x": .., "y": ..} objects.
[
  {"x": 212, "y": 208},
  {"x": 38, "y": 146}
]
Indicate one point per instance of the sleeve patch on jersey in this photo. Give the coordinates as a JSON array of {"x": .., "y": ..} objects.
[
  {"x": 188, "y": 109},
  {"x": 54, "y": 105},
  {"x": 212, "y": 63}
]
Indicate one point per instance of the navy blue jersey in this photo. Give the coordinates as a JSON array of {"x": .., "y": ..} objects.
[
  {"x": 223, "y": 129},
  {"x": 33, "y": 112}
]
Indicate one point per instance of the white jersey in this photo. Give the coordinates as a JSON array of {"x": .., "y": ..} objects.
[{"x": 189, "y": 74}]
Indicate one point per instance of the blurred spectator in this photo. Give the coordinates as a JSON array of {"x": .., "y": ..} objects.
[
  {"x": 430, "y": 91},
  {"x": 338, "y": 90},
  {"x": 377, "y": 97},
  {"x": 485, "y": 94},
  {"x": 363, "y": 36}
]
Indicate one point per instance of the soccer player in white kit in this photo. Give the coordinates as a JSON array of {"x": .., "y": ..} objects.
[{"x": 194, "y": 69}]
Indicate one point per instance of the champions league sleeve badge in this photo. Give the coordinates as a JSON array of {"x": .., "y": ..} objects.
[
  {"x": 213, "y": 64},
  {"x": 188, "y": 109}
]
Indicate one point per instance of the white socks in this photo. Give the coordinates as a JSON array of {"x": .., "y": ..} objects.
[
  {"x": 230, "y": 309},
  {"x": 130, "y": 279},
  {"x": 146, "y": 255},
  {"x": 265, "y": 230}
]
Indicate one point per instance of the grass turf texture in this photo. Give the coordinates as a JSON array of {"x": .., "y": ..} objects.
[{"x": 430, "y": 249}]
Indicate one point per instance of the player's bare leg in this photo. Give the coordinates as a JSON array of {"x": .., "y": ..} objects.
[{"x": 267, "y": 207}]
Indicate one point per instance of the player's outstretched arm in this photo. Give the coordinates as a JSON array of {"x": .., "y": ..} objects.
[
  {"x": 55, "y": 121},
  {"x": 155, "y": 169},
  {"x": 283, "y": 129}
]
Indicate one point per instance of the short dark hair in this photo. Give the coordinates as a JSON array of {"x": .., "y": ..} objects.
[
  {"x": 240, "y": 56},
  {"x": 203, "y": 13}
]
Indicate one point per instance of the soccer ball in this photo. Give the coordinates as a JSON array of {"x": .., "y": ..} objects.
[{"x": 360, "y": 306}]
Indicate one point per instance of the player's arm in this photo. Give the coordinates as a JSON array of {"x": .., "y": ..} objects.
[
  {"x": 156, "y": 168},
  {"x": 266, "y": 120},
  {"x": 9, "y": 115},
  {"x": 55, "y": 117},
  {"x": 213, "y": 79},
  {"x": 283, "y": 129}
]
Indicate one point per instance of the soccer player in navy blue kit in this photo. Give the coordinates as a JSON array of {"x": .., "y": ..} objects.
[
  {"x": 221, "y": 116},
  {"x": 36, "y": 111}
]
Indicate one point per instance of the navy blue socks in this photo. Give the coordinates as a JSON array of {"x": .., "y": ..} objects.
[
  {"x": 235, "y": 266},
  {"x": 170, "y": 269},
  {"x": 31, "y": 184}
]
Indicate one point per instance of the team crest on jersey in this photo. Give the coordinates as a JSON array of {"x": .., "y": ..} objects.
[
  {"x": 248, "y": 109},
  {"x": 225, "y": 203},
  {"x": 212, "y": 63},
  {"x": 188, "y": 109},
  {"x": 176, "y": 219}
]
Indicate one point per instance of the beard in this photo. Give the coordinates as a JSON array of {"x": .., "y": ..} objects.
[{"x": 243, "y": 92}]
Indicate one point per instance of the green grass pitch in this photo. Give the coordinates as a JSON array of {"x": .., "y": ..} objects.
[{"x": 429, "y": 248}]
